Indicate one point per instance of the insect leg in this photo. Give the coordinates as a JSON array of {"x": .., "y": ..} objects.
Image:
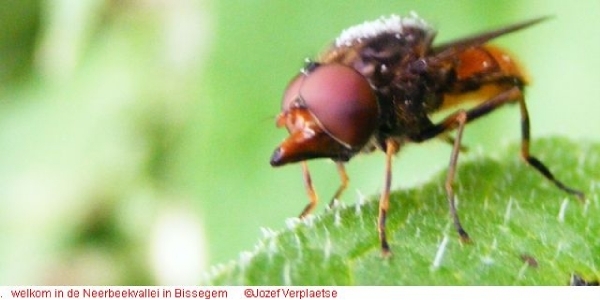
[
  {"x": 343, "y": 184},
  {"x": 312, "y": 195},
  {"x": 512, "y": 95},
  {"x": 533, "y": 161},
  {"x": 508, "y": 96},
  {"x": 457, "y": 119},
  {"x": 451, "y": 140},
  {"x": 384, "y": 201}
]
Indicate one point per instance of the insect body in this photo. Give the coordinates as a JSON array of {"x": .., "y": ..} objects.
[{"x": 376, "y": 88}]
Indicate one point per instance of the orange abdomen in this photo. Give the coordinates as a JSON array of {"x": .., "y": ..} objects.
[
  {"x": 493, "y": 69},
  {"x": 487, "y": 60}
]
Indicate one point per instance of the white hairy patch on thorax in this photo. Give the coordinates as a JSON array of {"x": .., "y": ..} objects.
[{"x": 391, "y": 24}]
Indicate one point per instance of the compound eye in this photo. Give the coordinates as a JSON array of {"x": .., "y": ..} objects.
[{"x": 343, "y": 102}]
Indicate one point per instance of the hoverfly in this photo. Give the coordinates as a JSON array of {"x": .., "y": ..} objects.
[{"x": 376, "y": 88}]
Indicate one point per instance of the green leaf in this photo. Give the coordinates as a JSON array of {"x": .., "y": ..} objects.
[{"x": 525, "y": 231}]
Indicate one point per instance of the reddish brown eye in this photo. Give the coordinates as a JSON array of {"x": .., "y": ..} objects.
[{"x": 343, "y": 101}]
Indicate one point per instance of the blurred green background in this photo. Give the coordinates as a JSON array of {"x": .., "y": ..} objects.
[{"x": 135, "y": 134}]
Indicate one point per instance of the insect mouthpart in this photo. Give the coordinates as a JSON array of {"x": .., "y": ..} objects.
[{"x": 307, "y": 140}]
